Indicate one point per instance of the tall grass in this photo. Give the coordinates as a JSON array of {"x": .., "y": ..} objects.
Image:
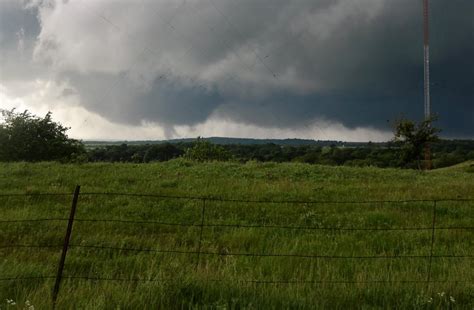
[{"x": 174, "y": 280}]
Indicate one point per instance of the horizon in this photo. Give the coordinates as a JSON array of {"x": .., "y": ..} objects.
[{"x": 256, "y": 139}]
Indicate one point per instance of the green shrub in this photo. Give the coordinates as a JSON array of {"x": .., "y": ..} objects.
[
  {"x": 26, "y": 137},
  {"x": 206, "y": 151}
]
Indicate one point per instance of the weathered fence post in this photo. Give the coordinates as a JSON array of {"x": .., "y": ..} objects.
[
  {"x": 433, "y": 230},
  {"x": 203, "y": 212},
  {"x": 65, "y": 244}
]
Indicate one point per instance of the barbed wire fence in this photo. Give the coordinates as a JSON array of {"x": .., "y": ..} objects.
[{"x": 201, "y": 225}]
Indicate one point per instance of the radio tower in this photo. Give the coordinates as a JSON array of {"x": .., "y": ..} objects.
[{"x": 426, "y": 26}]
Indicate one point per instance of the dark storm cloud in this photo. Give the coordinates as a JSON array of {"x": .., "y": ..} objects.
[
  {"x": 270, "y": 63},
  {"x": 12, "y": 18},
  {"x": 372, "y": 71},
  {"x": 19, "y": 28},
  {"x": 124, "y": 103}
]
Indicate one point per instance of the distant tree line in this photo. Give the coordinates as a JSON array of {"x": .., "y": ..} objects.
[
  {"x": 25, "y": 137},
  {"x": 445, "y": 153}
]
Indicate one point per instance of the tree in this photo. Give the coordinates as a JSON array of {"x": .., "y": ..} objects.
[
  {"x": 162, "y": 152},
  {"x": 206, "y": 151},
  {"x": 412, "y": 139},
  {"x": 26, "y": 137}
]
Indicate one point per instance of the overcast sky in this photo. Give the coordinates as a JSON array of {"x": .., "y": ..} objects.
[{"x": 319, "y": 69}]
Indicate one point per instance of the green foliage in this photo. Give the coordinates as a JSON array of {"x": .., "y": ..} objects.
[
  {"x": 445, "y": 153},
  {"x": 25, "y": 137},
  {"x": 206, "y": 151},
  {"x": 135, "y": 153},
  {"x": 161, "y": 152},
  {"x": 412, "y": 138},
  {"x": 446, "y": 160}
]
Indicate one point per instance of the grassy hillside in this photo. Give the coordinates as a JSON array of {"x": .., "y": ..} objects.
[
  {"x": 301, "y": 261},
  {"x": 467, "y": 166},
  {"x": 251, "y": 180}
]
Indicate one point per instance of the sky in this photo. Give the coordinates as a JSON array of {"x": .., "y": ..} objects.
[{"x": 314, "y": 69}]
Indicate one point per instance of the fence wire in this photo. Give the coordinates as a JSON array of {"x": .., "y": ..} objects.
[
  {"x": 241, "y": 225},
  {"x": 165, "y": 251},
  {"x": 295, "y": 282},
  {"x": 202, "y": 225}
]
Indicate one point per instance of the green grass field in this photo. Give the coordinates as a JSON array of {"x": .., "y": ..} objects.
[{"x": 301, "y": 264}]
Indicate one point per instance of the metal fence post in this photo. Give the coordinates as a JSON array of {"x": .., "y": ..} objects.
[
  {"x": 62, "y": 260},
  {"x": 433, "y": 230},
  {"x": 200, "y": 233}
]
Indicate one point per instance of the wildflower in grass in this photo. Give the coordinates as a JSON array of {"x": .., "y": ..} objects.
[
  {"x": 451, "y": 299},
  {"x": 29, "y": 306},
  {"x": 430, "y": 300}
]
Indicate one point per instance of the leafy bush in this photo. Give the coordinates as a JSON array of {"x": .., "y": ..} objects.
[
  {"x": 446, "y": 160},
  {"x": 206, "y": 151},
  {"x": 161, "y": 152},
  {"x": 26, "y": 137},
  {"x": 412, "y": 138}
]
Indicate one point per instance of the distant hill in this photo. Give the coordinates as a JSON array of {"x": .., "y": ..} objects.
[{"x": 227, "y": 141}]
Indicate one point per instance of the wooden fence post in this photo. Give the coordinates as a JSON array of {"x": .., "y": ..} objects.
[{"x": 65, "y": 245}]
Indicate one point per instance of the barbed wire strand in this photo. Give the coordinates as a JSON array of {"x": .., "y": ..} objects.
[
  {"x": 209, "y": 198},
  {"x": 151, "y": 250},
  {"x": 238, "y": 280},
  {"x": 289, "y": 227},
  {"x": 221, "y": 199}
]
